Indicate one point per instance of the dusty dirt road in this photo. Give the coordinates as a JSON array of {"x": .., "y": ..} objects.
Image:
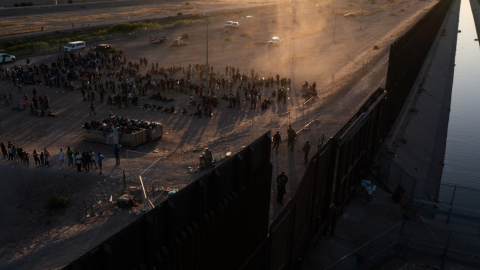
[{"x": 48, "y": 241}]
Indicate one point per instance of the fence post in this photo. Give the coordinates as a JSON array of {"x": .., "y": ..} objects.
[{"x": 451, "y": 203}]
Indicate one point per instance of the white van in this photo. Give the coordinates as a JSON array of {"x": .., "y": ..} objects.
[{"x": 74, "y": 46}]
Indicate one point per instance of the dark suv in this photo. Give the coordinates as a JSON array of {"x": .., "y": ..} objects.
[{"x": 103, "y": 48}]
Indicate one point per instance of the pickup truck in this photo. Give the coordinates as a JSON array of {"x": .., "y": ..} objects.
[
  {"x": 4, "y": 58},
  {"x": 275, "y": 41},
  {"x": 231, "y": 24}
]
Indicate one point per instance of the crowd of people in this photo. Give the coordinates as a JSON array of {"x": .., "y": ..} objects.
[
  {"x": 71, "y": 159},
  {"x": 98, "y": 75}
]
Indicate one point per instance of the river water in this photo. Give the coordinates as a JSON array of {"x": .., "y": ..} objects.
[{"x": 462, "y": 156}]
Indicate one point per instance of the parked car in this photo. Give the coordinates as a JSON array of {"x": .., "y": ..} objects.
[
  {"x": 350, "y": 15},
  {"x": 275, "y": 41},
  {"x": 4, "y": 58},
  {"x": 231, "y": 24},
  {"x": 102, "y": 48}
]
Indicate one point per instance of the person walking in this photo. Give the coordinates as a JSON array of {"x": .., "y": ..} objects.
[
  {"x": 276, "y": 140},
  {"x": 100, "y": 161},
  {"x": 306, "y": 149},
  {"x": 35, "y": 157},
  {"x": 117, "y": 154},
  {"x": 61, "y": 157},
  {"x": 70, "y": 157},
  {"x": 282, "y": 180},
  {"x": 42, "y": 159}
]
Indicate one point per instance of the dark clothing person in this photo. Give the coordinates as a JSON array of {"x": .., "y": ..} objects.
[
  {"x": 117, "y": 154},
  {"x": 306, "y": 149},
  {"x": 276, "y": 141},
  {"x": 282, "y": 180}
]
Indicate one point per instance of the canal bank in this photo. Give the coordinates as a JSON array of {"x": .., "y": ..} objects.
[{"x": 418, "y": 139}]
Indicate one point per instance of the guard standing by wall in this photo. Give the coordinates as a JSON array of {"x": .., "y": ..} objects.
[
  {"x": 282, "y": 180},
  {"x": 306, "y": 149}
]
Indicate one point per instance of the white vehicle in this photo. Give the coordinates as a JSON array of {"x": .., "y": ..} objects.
[
  {"x": 275, "y": 41},
  {"x": 75, "y": 46},
  {"x": 232, "y": 24},
  {"x": 4, "y": 58},
  {"x": 179, "y": 42}
]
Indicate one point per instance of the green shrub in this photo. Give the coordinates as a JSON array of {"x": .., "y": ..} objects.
[
  {"x": 226, "y": 30},
  {"x": 9, "y": 44},
  {"x": 56, "y": 202},
  {"x": 29, "y": 46},
  {"x": 121, "y": 51},
  {"x": 70, "y": 1},
  {"x": 274, "y": 21},
  {"x": 179, "y": 14},
  {"x": 185, "y": 36},
  {"x": 30, "y": 3},
  {"x": 228, "y": 39},
  {"x": 187, "y": 3},
  {"x": 197, "y": 15},
  {"x": 16, "y": 5},
  {"x": 246, "y": 35},
  {"x": 23, "y": 4}
]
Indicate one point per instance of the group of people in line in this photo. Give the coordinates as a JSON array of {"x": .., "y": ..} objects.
[{"x": 72, "y": 159}]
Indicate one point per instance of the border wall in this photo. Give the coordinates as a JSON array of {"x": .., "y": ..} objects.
[{"x": 220, "y": 221}]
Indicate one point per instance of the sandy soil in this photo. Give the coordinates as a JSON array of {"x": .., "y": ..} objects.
[{"x": 32, "y": 236}]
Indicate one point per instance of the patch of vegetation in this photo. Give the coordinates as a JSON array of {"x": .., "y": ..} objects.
[
  {"x": 226, "y": 30},
  {"x": 351, "y": 5},
  {"x": 319, "y": 10},
  {"x": 274, "y": 21},
  {"x": 56, "y": 202},
  {"x": 375, "y": 47},
  {"x": 30, "y": 3},
  {"x": 179, "y": 14},
  {"x": 9, "y": 44},
  {"x": 295, "y": 21},
  {"x": 185, "y": 36},
  {"x": 393, "y": 14},
  {"x": 16, "y": 5},
  {"x": 187, "y": 3},
  {"x": 228, "y": 39},
  {"x": 70, "y": 1},
  {"x": 246, "y": 35},
  {"x": 23, "y": 4},
  {"x": 197, "y": 15}
]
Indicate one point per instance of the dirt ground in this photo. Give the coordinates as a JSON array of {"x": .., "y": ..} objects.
[{"x": 35, "y": 239}]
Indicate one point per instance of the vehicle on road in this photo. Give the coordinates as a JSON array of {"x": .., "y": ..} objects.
[
  {"x": 232, "y": 24},
  {"x": 275, "y": 41},
  {"x": 179, "y": 42},
  {"x": 74, "y": 46},
  {"x": 350, "y": 15},
  {"x": 158, "y": 40},
  {"x": 5, "y": 58},
  {"x": 102, "y": 48}
]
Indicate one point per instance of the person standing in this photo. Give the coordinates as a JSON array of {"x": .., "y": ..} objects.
[
  {"x": 35, "y": 157},
  {"x": 117, "y": 154},
  {"x": 276, "y": 140},
  {"x": 86, "y": 161},
  {"x": 92, "y": 159},
  {"x": 47, "y": 158},
  {"x": 291, "y": 138},
  {"x": 42, "y": 159},
  {"x": 100, "y": 161},
  {"x": 78, "y": 160},
  {"x": 92, "y": 108},
  {"x": 61, "y": 157},
  {"x": 70, "y": 157},
  {"x": 282, "y": 180},
  {"x": 4, "y": 150},
  {"x": 306, "y": 149}
]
